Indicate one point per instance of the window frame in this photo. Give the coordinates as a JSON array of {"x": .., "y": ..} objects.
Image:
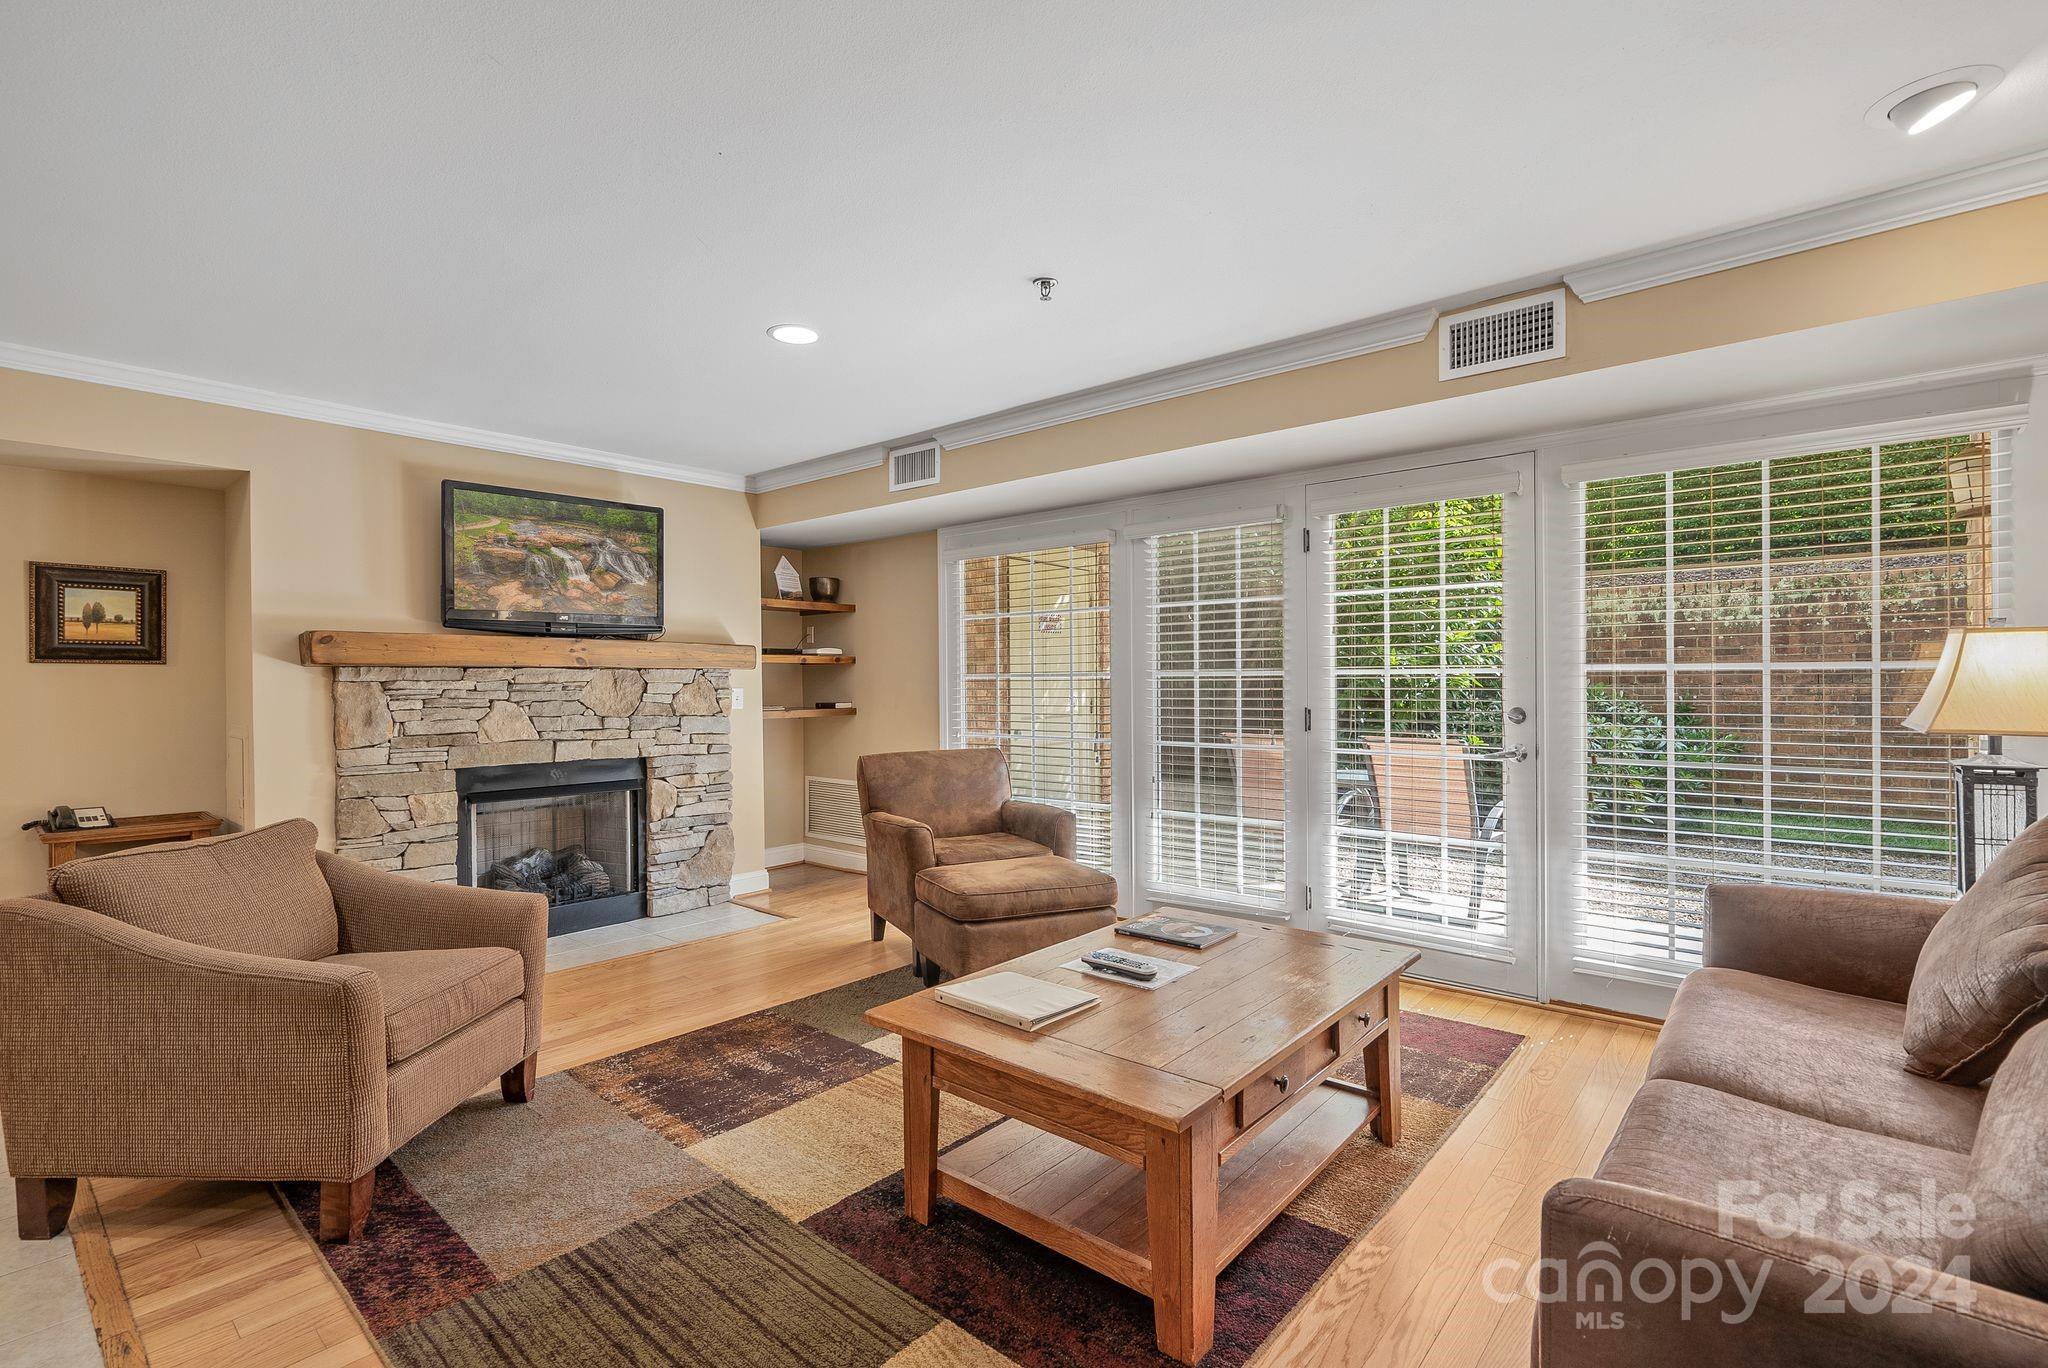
[
  {"x": 1772, "y": 721},
  {"x": 1144, "y": 738},
  {"x": 953, "y": 554}
]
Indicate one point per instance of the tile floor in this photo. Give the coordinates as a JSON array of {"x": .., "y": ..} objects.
[
  {"x": 44, "y": 1322},
  {"x": 579, "y": 948}
]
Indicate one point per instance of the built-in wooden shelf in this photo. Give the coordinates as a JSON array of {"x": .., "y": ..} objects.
[
  {"x": 329, "y": 647},
  {"x": 774, "y": 713},
  {"x": 806, "y": 660},
  {"x": 806, "y": 606},
  {"x": 163, "y": 826}
]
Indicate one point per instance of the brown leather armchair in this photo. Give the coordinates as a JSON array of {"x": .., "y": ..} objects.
[
  {"x": 971, "y": 875},
  {"x": 247, "y": 1007}
]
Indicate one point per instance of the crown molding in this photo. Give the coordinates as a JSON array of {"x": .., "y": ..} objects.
[
  {"x": 1294, "y": 353},
  {"x": 65, "y": 365},
  {"x": 821, "y": 467},
  {"x": 1902, "y": 206}
]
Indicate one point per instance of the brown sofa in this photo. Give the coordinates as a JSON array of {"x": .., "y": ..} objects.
[
  {"x": 1804, "y": 1160},
  {"x": 248, "y": 1007},
  {"x": 972, "y": 876}
]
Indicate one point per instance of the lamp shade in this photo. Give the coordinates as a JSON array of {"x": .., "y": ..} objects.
[{"x": 1990, "y": 681}]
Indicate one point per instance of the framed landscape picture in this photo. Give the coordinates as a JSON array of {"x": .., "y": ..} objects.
[{"x": 97, "y": 614}]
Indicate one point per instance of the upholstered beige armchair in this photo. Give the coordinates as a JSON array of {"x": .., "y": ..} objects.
[
  {"x": 971, "y": 875},
  {"x": 248, "y": 1007}
]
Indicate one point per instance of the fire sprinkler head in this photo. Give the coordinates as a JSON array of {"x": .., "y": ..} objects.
[{"x": 1044, "y": 284}]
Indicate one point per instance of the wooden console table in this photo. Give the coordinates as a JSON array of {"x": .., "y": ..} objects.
[
  {"x": 1151, "y": 1121},
  {"x": 164, "y": 826}
]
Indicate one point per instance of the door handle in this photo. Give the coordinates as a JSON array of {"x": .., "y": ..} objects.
[{"x": 1506, "y": 753}]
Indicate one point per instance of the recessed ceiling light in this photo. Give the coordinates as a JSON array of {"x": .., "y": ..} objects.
[
  {"x": 1930, "y": 107},
  {"x": 796, "y": 334},
  {"x": 1932, "y": 100}
]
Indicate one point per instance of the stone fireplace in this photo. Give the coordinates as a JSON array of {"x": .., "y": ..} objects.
[{"x": 437, "y": 765}]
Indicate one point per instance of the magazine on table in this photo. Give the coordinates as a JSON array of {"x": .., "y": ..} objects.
[{"x": 1177, "y": 929}]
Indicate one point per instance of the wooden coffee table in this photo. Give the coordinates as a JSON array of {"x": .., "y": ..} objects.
[{"x": 1155, "y": 1134}]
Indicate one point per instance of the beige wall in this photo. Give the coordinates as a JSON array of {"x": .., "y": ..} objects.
[
  {"x": 782, "y": 743},
  {"x": 133, "y": 739},
  {"x": 1987, "y": 250},
  {"x": 894, "y": 638},
  {"x": 343, "y": 530}
]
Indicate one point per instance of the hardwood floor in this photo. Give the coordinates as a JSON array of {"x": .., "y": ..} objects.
[{"x": 216, "y": 1274}]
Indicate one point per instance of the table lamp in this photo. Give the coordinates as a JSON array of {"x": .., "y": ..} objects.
[{"x": 1990, "y": 682}]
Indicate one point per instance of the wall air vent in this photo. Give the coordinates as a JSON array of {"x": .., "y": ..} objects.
[
  {"x": 832, "y": 809},
  {"x": 911, "y": 466},
  {"x": 1518, "y": 333}
]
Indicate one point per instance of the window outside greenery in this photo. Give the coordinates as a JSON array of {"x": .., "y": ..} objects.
[{"x": 1755, "y": 633}]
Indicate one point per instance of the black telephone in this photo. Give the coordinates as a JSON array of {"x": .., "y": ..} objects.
[{"x": 63, "y": 818}]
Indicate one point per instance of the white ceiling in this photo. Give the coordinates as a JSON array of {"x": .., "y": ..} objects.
[{"x": 573, "y": 222}]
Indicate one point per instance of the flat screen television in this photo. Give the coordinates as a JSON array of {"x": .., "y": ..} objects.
[{"x": 517, "y": 560}]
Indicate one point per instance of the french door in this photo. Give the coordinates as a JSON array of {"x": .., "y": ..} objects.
[{"x": 1420, "y": 734}]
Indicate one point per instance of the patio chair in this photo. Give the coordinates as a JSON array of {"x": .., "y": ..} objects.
[{"x": 1430, "y": 789}]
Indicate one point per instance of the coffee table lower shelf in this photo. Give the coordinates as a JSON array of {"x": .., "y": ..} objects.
[{"x": 1091, "y": 1207}]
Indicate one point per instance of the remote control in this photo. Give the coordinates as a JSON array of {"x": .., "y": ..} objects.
[{"x": 1110, "y": 962}]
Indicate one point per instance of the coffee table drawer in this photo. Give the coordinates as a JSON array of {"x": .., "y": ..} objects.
[
  {"x": 1367, "y": 1015},
  {"x": 1272, "y": 1087},
  {"x": 1287, "y": 1079}
]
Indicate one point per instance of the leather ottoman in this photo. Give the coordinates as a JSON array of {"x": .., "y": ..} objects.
[{"x": 970, "y": 916}]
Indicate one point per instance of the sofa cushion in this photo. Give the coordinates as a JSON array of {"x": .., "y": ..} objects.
[
  {"x": 1725, "y": 1151},
  {"x": 1030, "y": 887},
  {"x": 993, "y": 845},
  {"x": 954, "y": 792},
  {"x": 429, "y": 995},
  {"x": 1982, "y": 978},
  {"x": 257, "y": 892},
  {"x": 2007, "y": 1244},
  {"x": 1829, "y": 1056}
]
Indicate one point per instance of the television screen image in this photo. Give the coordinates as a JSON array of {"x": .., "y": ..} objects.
[{"x": 518, "y": 560}]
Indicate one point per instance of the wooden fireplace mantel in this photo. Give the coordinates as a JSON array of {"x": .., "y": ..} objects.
[{"x": 326, "y": 646}]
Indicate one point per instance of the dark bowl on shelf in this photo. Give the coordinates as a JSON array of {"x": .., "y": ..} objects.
[{"x": 825, "y": 588}]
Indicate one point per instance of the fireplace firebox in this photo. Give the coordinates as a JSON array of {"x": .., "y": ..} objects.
[{"x": 571, "y": 831}]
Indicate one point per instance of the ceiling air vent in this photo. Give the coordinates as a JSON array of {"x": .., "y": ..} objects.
[
  {"x": 1517, "y": 333},
  {"x": 912, "y": 466}
]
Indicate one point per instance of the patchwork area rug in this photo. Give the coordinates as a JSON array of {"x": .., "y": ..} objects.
[{"x": 734, "y": 1197}]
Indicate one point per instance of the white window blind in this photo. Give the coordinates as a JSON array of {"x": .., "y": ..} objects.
[
  {"x": 1215, "y": 642},
  {"x": 1032, "y": 649},
  {"x": 1753, "y": 635},
  {"x": 1413, "y": 606}
]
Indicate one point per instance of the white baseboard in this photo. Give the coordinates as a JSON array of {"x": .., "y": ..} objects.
[
  {"x": 836, "y": 857},
  {"x": 753, "y": 881},
  {"x": 777, "y": 856}
]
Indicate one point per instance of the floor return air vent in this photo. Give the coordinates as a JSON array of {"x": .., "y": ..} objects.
[{"x": 832, "y": 809}]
